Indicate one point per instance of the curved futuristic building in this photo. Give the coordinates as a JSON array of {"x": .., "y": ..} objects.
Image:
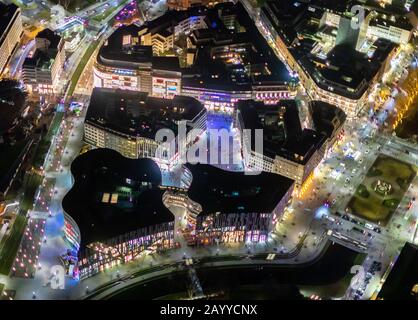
[{"x": 115, "y": 210}]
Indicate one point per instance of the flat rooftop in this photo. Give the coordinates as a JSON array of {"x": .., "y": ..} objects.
[
  {"x": 217, "y": 190},
  {"x": 113, "y": 195},
  {"x": 138, "y": 114},
  {"x": 282, "y": 131}
]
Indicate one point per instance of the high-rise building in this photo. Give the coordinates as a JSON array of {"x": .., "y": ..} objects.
[
  {"x": 186, "y": 4},
  {"x": 10, "y": 32}
]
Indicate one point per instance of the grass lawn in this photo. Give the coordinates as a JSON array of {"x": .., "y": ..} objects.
[
  {"x": 10, "y": 155},
  {"x": 77, "y": 73},
  {"x": 9, "y": 246},
  {"x": 376, "y": 206}
]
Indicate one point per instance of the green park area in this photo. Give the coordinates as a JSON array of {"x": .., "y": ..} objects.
[
  {"x": 381, "y": 191},
  {"x": 10, "y": 244}
]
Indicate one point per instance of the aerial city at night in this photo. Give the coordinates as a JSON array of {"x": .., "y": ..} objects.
[{"x": 208, "y": 150}]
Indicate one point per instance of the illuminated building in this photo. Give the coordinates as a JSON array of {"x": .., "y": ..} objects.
[
  {"x": 13, "y": 112},
  {"x": 127, "y": 121},
  {"x": 334, "y": 63},
  {"x": 118, "y": 210},
  {"x": 41, "y": 72},
  {"x": 114, "y": 211},
  {"x": 288, "y": 150},
  {"x": 230, "y": 61},
  {"x": 233, "y": 206},
  {"x": 215, "y": 55},
  {"x": 10, "y": 32}
]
